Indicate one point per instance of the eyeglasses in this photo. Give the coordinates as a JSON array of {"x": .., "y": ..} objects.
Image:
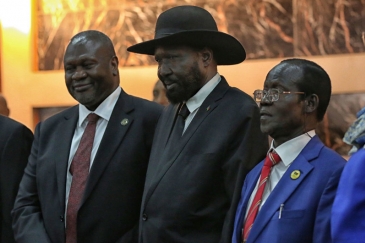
[{"x": 271, "y": 95}]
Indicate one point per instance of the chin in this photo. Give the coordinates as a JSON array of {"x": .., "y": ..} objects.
[{"x": 263, "y": 129}]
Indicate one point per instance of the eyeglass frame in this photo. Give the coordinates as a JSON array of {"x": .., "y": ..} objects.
[{"x": 268, "y": 92}]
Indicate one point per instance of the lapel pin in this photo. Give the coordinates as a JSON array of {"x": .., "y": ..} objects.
[
  {"x": 124, "y": 122},
  {"x": 208, "y": 108},
  {"x": 295, "y": 174}
]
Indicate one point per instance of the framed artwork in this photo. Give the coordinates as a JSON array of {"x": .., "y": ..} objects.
[
  {"x": 267, "y": 29},
  {"x": 42, "y": 113},
  {"x": 341, "y": 113}
]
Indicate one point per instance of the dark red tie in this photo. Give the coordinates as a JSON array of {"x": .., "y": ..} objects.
[
  {"x": 79, "y": 170},
  {"x": 272, "y": 159}
]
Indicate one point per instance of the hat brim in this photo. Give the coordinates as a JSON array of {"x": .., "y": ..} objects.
[{"x": 227, "y": 50}]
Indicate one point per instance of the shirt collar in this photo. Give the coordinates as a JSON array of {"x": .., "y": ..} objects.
[
  {"x": 104, "y": 110},
  {"x": 197, "y": 100},
  {"x": 289, "y": 150}
]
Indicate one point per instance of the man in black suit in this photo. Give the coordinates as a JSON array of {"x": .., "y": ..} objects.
[
  {"x": 195, "y": 174},
  {"x": 108, "y": 208},
  {"x": 15, "y": 144}
]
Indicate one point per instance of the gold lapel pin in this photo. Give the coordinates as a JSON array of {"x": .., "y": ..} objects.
[
  {"x": 124, "y": 122},
  {"x": 295, "y": 174},
  {"x": 208, "y": 108}
]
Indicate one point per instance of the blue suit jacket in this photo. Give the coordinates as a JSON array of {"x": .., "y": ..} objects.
[
  {"x": 307, "y": 200},
  {"x": 348, "y": 213}
]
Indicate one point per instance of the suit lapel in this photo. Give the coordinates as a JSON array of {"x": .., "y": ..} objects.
[
  {"x": 65, "y": 135},
  {"x": 286, "y": 186},
  {"x": 171, "y": 153},
  {"x": 118, "y": 125},
  {"x": 254, "y": 174},
  {"x": 169, "y": 123}
]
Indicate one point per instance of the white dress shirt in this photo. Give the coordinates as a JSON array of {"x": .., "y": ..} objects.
[
  {"x": 104, "y": 111},
  {"x": 287, "y": 151},
  {"x": 194, "y": 103}
]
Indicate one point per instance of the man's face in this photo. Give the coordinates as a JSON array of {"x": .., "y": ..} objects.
[
  {"x": 159, "y": 94},
  {"x": 283, "y": 119},
  {"x": 90, "y": 72},
  {"x": 179, "y": 68}
]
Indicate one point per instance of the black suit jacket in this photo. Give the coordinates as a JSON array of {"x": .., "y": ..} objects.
[
  {"x": 192, "y": 188},
  {"x": 15, "y": 143},
  {"x": 110, "y": 206}
]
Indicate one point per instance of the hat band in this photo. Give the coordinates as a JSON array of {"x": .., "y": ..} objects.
[
  {"x": 171, "y": 31},
  {"x": 166, "y": 32}
]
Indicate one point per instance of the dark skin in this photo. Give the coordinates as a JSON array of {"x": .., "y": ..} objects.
[
  {"x": 4, "y": 110},
  {"x": 159, "y": 94},
  {"x": 91, "y": 71},
  {"x": 184, "y": 70},
  {"x": 292, "y": 115}
]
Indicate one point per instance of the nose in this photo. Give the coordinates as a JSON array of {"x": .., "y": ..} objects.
[
  {"x": 79, "y": 74},
  {"x": 266, "y": 100},
  {"x": 164, "y": 69}
]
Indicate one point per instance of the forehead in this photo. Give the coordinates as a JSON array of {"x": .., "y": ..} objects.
[
  {"x": 84, "y": 48},
  {"x": 283, "y": 76}
]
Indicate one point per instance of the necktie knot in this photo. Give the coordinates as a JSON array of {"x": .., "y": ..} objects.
[
  {"x": 272, "y": 159},
  {"x": 184, "y": 111},
  {"x": 92, "y": 117}
]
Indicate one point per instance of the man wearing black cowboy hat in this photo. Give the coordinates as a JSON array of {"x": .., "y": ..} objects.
[{"x": 195, "y": 174}]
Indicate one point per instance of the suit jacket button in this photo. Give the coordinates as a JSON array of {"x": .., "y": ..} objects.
[
  {"x": 144, "y": 217},
  {"x": 62, "y": 218}
]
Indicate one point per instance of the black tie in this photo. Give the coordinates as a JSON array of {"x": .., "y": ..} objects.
[
  {"x": 178, "y": 129},
  {"x": 184, "y": 112}
]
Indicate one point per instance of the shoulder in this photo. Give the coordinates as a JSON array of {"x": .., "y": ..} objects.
[
  {"x": 238, "y": 99},
  {"x": 9, "y": 125},
  {"x": 237, "y": 94},
  {"x": 145, "y": 109},
  {"x": 146, "y": 104},
  {"x": 328, "y": 165},
  {"x": 318, "y": 154},
  {"x": 14, "y": 134},
  {"x": 357, "y": 160},
  {"x": 331, "y": 158},
  {"x": 241, "y": 105},
  {"x": 65, "y": 114},
  {"x": 356, "y": 165}
]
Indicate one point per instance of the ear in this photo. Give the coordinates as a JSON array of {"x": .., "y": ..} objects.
[
  {"x": 207, "y": 56},
  {"x": 311, "y": 103},
  {"x": 114, "y": 62}
]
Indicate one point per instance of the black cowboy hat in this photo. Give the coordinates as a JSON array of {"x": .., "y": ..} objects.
[{"x": 192, "y": 26}]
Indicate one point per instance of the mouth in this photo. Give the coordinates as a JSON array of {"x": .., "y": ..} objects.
[
  {"x": 170, "y": 84},
  {"x": 82, "y": 87},
  {"x": 265, "y": 114}
]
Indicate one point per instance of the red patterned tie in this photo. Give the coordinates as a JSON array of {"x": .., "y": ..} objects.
[
  {"x": 272, "y": 159},
  {"x": 79, "y": 170}
]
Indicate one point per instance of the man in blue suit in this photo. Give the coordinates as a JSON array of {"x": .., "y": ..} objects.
[
  {"x": 296, "y": 199},
  {"x": 348, "y": 212}
]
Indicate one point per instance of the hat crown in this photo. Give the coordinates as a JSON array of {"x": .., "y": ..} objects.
[{"x": 184, "y": 18}]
